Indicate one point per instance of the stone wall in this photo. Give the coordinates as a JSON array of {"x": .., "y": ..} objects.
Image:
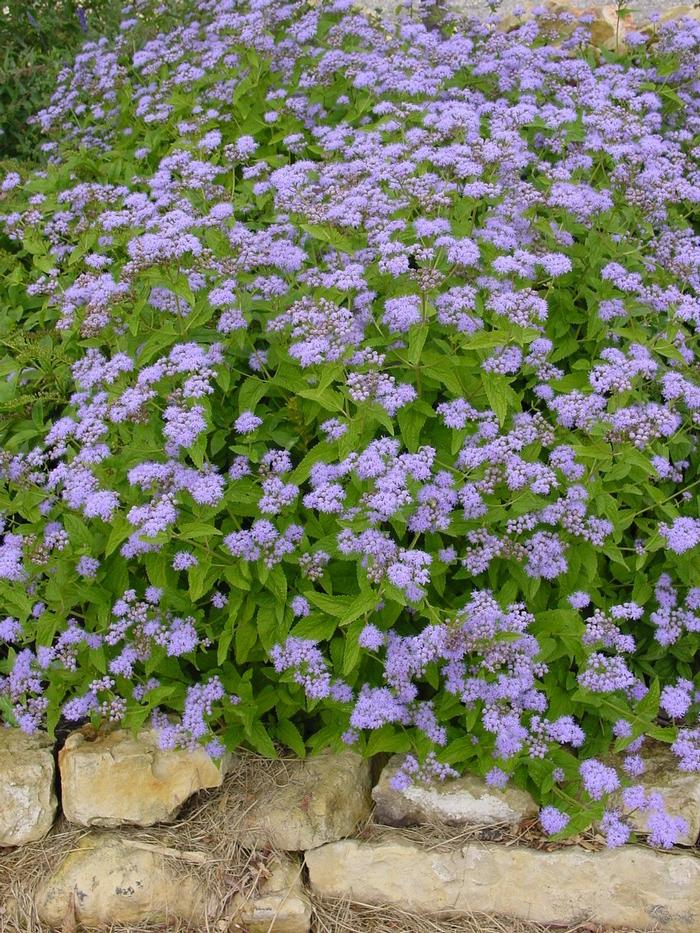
[{"x": 172, "y": 838}]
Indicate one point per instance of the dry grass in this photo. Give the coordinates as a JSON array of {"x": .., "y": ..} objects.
[
  {"x": 437, "y": 835},
  {"x": 342, "y": 916}
]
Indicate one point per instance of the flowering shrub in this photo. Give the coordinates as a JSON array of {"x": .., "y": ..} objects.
[
  {"x": 37, "y": 39},
  {"x": 352, "y": 393}
]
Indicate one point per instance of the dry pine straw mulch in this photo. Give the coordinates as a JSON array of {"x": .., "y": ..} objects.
[{"x": 204, "y": 842}]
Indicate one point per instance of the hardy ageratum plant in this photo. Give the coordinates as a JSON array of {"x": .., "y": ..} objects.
[{"x": 351, "y": 396}]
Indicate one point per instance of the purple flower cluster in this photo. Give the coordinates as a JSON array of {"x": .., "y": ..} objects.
[{"x": 386, "y": 397}]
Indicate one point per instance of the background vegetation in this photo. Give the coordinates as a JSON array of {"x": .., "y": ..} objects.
[{"x": 37, "y": 38}]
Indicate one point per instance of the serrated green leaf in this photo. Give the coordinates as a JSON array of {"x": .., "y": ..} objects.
[{"x": 290, "y": 736}]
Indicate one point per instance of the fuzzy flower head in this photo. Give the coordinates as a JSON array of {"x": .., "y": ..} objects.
[
  {"x": 553, "y": 820},
  {"x": 579, "y": 600},
  {"x": 247, "y": 422},
  {"x": 598, "y": 779}
]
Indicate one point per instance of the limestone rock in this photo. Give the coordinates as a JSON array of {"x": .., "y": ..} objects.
[
  {"x": 324, "y": 799},
  {"x": 118, "y": 779},
  {"x": 456, "y": 801},
  {"x": 562, "y": 18},
  {"x": 27, "y": 794},
  {"x": 676, "y": 12},
  {"x": 104, "y": 880},
  {"x": 629, "y": 887},
  {"x": 280, "y": 904},
  {"x": 608, "y": 30},
  {"x": 680, "y": 790}
]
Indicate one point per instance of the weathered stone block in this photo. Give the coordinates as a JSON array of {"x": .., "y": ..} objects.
[
  {"x": 280, "y": 905},
  {"x": 27, "y": 794},
  {"x": 680, "y": 790},
  {"x": 104, "y": 881},
  {"x": 467, "y": 799},
  {"x": 119, "y": 779},
  {"x": 627, "y": 887},
  {"x": 324, "y": 799}
]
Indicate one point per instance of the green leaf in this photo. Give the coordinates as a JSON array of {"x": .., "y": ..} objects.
[
  {"x": 276, "y": 583},
  {"x": 484, "y": 340},
  {"x": 416, "y": 342},
  {"x": 194, "y": 530},
  {"x": 259, "y": 738},
  {"x": 268, "y": 627},
  {"x": 290, "y": 736},
  {"x": 226, "y": 637},
  {"x": 666, "y": 734},
  {"x": 316, "y": 627},
  {"x": 250, "y": 393},
  {"x": 387, "y": 739},
  {"x": 648, "y": 706},
  {"x": 156, "y": 569},
  {"x": 197, "y": 577},
  {"x": 363, "y": 604},
  {"x": 321, "y": 452},
  {"x": 15, "y": 600},
  {"x": 7, "y": 714},
  {"x": 500, "y": 395},
  {"x": 336, "y": 606},
  {"x": 351, "y": 656},
  {"x": 121, "y": 529},
  {"x": 458, "y": 752},
  {"x": 411, "y": 423},
  {"x": 246, "y": 635}
]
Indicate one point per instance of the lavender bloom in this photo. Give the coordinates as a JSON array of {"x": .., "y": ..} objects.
[
  {"x": 676, "y": 700},
  {"x": 87, "y": 567},
  {"x": 277, "y": 495},
  {"x": 10, "y": 181},
  {"x": 300, "y": 606},
  {"x": 605, "y": 674},
  {"x": 183, "y": 426},
  {"x": 239, "y": 468},
  {"x": 193, "y": 727},
  {"x": 333, "y": 429},
  {"x": 323, "y": 330},
  {"x": 634, "y": 765},
  {"x": 219, "y": 600},
  {"x": 247, "y": 422},
  {"x": 545, "y": 556},
  {"x": 371, "y": 638},
  {"x": 687, "y": 749},
  {"x": 409, "y": 573},
  {"x": 622, "y": 729},
  {"x": 616, "y": 831},
  {"x": 307, "y": 663},
  {"x": 665, "y": 829},
  {"x": 496, "y": 778},
  {"x": 682, "y": 535},
  {"x": 10, "y": 629},
  {"x": 400, "y": 314},
  {"x": 430, "y": 771},
  {"x": 579, "y": 600},
  {"x": 11, "y": 557},
  {"x": 182, "y": 560},
  {"x": 263, "y": 540},
  {"x": 376, "y": 707},
  {"x": 457, "y": 413},
  {"x": 553, "y": 820},
  {"x": 598, "y": 779}
]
